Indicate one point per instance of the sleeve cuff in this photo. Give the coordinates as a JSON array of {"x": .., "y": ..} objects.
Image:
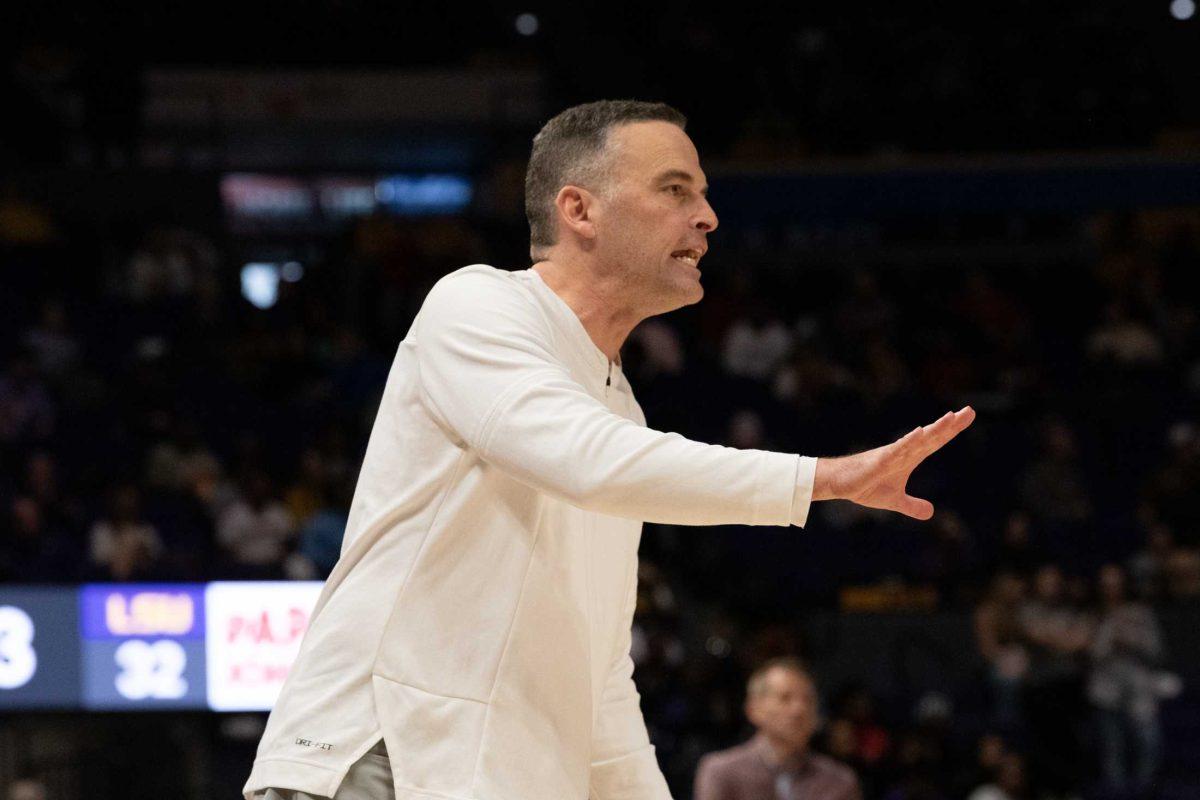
[{"x": 806, "y": 471}]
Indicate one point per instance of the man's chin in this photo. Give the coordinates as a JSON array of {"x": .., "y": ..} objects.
[
  {"x": 683, "y": 293},
  {"x": 695, "y": 288},
  {"x": 691, "y": 296}
]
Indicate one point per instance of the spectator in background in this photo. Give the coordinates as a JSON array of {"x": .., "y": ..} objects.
[
  {"x": 869, "y": 314},
  {"x": 173, "y": 455},
  {"x": 307, "y": 495},
  {"x": 1009, "y": 783},
  {"x": 1052, "y": 487},
  {"x": 50, "y": 342},
  {"x": 255, "y": 530},
  {"x": 948, "y": 560},
  {"x": 1124, "y": 687},
  {"x": 990, "y": 750},
  {"x": 26, "y": 412},
  {"x": 1125, "y": 341},
  {"x": 885, "y": 376},
  {"x": 872, "y": 740},
  {"x": 27, "y": 788},
  {"x": 22, "y": 221},
  {"x": 167, "y": 264},
  {"x": 185, "y": 519},
  {"x": 777, "y": 763},
  {"x": 756, "y": 344},
  {"x": 927, "y": 753},
  {"x": 204, "y": 479},
  {"x": 124, "y": 546},
  {"x": 947, "y": 368},
  {"x": 1057, "y": 635},
  {"x": 31, "y": 550},
  {"x": 1018, "y": 552},
  {"x": 809, "y": 376},
  {"x": 61, "y": 511},
  {"x": 657, "y": 648},
  {"x": 841, "y": 741},
  {"x": 1173, "y": 489},
  {"x": 1148, "y": 566},
  {"x": 1001, "y": 642},
  {"x": 747, "y": 431},
  {"x": 662, "y": 349},
  {"x": 1183, "y": 573},
  {"x": 990, "y": 312},
  {"x": 320, "y": 540}
]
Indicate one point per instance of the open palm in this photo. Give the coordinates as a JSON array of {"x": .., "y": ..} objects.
[{"x": 877, "y": 478}]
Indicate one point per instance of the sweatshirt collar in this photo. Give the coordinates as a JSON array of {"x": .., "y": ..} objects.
[{"x": 572, "y": 321}]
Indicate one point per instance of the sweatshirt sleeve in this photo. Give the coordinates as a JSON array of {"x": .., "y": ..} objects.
[{"x": 490, "y": 374}]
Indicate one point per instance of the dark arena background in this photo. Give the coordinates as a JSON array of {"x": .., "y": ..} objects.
[{"x": 217, "y": 221}]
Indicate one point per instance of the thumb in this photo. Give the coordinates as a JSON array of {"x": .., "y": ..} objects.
[{"x": 915, "y": 507}]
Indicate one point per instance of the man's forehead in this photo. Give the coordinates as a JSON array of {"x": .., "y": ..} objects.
[
  {"x": 784, "y": 678},
  {"x": 652, "y": 148}
]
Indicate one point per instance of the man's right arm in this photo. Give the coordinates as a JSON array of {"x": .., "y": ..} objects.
[{"x": 488, "y": 373}]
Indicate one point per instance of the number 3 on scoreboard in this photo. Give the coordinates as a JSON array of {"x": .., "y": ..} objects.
[
  {"x": 151, "y": 670},
  {"x": 18, "y": 661}
]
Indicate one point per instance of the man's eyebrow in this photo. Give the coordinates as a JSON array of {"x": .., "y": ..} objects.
[{"x": 678, "y": 175}]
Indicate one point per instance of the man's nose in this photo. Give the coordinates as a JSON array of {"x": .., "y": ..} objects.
[{"x": 706, "y": 220}]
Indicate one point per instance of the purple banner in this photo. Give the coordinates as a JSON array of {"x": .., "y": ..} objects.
[{"x": 121, "y": 611}]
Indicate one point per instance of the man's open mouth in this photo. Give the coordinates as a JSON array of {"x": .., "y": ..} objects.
[{"x": 689, "y": 257}]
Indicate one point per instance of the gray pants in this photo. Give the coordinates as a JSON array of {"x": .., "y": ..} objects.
[{"x": 369, "y": 778}]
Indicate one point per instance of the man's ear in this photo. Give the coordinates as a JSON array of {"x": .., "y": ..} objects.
[{"x": 575, "y": 206}]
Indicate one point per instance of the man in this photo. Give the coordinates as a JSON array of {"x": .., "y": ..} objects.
[
  {"x": 477, "y": 625},
  {"x": 776, "y": 764}
]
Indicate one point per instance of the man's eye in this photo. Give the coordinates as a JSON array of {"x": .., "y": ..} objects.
[{"x": 675, "y": 189}]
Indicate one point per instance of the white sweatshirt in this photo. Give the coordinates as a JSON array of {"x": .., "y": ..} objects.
[{"x": 479, "y": 618}]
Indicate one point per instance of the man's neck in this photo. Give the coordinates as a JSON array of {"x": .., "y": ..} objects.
[
  {"x": 598, "y": 304},
  {"x": 780, "y": 754}
]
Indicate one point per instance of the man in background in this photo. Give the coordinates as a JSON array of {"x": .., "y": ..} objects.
[{"x": 776, "y": 763}]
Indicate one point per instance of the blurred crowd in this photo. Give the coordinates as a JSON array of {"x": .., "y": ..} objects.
[
  {"x": 1068, "y": 677},
  {"x": 156, "y": 426},
  {"x": 779, "y": 84},
  {"x": 153, "y": 419}
]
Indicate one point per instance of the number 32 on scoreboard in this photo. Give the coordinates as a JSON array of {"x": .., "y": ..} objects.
[{"x": 151, "y": 670}]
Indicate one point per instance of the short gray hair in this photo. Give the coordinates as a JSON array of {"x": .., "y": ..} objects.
[{"x": 571, "y": 148}]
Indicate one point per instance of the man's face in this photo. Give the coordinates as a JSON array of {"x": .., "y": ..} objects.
[
  {"x": 786, "y": 709},
  {"x": 655, "y": 211}
]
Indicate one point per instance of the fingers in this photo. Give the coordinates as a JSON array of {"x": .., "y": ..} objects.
[
  {"x": 915, "y": 507},
  {"x": 937, "y": 434},
  {"x": 911, "y": 449},
  {"x": 951, "y": 421}
]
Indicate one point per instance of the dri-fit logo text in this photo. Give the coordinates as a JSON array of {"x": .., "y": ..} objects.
[{"x": 311, "y": 743}]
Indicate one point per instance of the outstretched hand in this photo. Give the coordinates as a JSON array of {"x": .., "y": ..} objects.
[{"x": 877, "y": 478}]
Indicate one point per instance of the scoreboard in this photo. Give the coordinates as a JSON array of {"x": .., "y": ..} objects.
[
  {"x": 39, "y": 648},
  {"x": 223, "y": 646}
]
